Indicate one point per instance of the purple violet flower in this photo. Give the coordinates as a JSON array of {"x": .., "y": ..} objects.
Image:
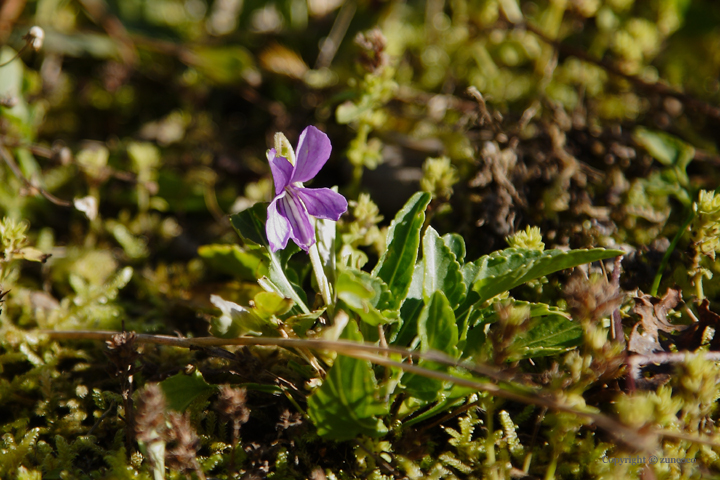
[{"x": 289, "y": 214}]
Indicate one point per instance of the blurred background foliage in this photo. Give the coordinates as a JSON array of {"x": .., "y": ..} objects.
[{"x": 128, "y": 138}]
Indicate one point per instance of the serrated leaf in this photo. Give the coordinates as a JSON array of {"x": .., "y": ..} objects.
[
  {"x": 243, "y": 264},
  {"x": 365, "y": 295},
  {"x": 397, "y": 263},
  {"x": 345, "y": 406},
  {"x": 534, "y": 310},
  {"x": 503, "y": 270},
  {"x": 250, "y": 225},
  {"x": 456, "y": 244},
  {"x": 441, "y": 271},
  {"x": 551, "y": 330},
  {"x": 181, "y": 390},
  {"x": 550, "y": 335}
]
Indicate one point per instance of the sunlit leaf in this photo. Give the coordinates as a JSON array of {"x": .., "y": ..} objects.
[
  {"x": 506, "y": 269},
  {"x": 365, "y": 295},
  {"x": 441, "y": 270},
  {"x": 456, "y": 244},
  {"x": 397, "y": 263},
  {"x": 548, "y": 335},
  {"x": 410, "y": 309}
]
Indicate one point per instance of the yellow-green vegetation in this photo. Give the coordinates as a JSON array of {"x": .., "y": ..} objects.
[{"x": 525, "y": 283}]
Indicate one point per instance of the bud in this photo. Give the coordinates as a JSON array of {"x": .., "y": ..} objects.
[{"x": 283, "y": 148}]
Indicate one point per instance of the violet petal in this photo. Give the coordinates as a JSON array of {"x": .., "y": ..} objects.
[
  {"x": 322, "y": 202},
  {"x": 277, "y": 227},
  {"x": 282, "y": 170},
  {"x": 312, "y": 152},
  {"x": 301, "y": 226}
]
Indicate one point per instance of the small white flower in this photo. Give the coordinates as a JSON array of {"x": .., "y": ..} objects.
[
  {"x": 88, "y": 205},
  {"x": 35, "y": 36}
]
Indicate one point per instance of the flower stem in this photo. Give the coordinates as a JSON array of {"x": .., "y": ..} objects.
[{"x": 320, "y": 276}]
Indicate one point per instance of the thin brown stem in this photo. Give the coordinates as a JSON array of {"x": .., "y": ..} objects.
[
  {"x": 10, "y": 162},
  {"x": 645, "y": 441},
  {"x": 339, "y": 345}
]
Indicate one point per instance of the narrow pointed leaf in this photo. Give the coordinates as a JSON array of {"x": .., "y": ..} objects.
[
  {"x": 503, "y": 270},
  {"x": 551, "y": 331},
  {"x": 396, "y": 265}
]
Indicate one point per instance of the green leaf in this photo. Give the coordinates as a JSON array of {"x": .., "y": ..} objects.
[
  {"x": 250, "y": 225},
  {"x": 397, "y": 263},
  {"x": 242, "y": 263},
  {"x": 550, "y": 335},
  {"x": 11, "y": 80},
  {"x": 302, "y": 323},
  {"x": 456, "y": 244},
  {"x": 181, "y": 390},
  {"x": 441, "y": 271},
  {"x": 410, "y": 310},
  {"x": 269, "y": 304},
  {"x": 345, "y": 406},
  {"x": 436, "y": 326},
  {"x": 326, "y": 231},
  {"x": 503, "y": 270},
  {"x": 365, "y": 295},
  {"x": 551, "y": 332},
  {"x": 668, "y": 150},
  {"x": 224, "y": 64},
  {"x": 664, "y": 148},
  {"x": 438, "y": 331},
  {"x": 235, "y": 320}
]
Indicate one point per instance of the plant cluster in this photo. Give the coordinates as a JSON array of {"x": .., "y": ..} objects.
[{"x": 492, "y": 254}]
